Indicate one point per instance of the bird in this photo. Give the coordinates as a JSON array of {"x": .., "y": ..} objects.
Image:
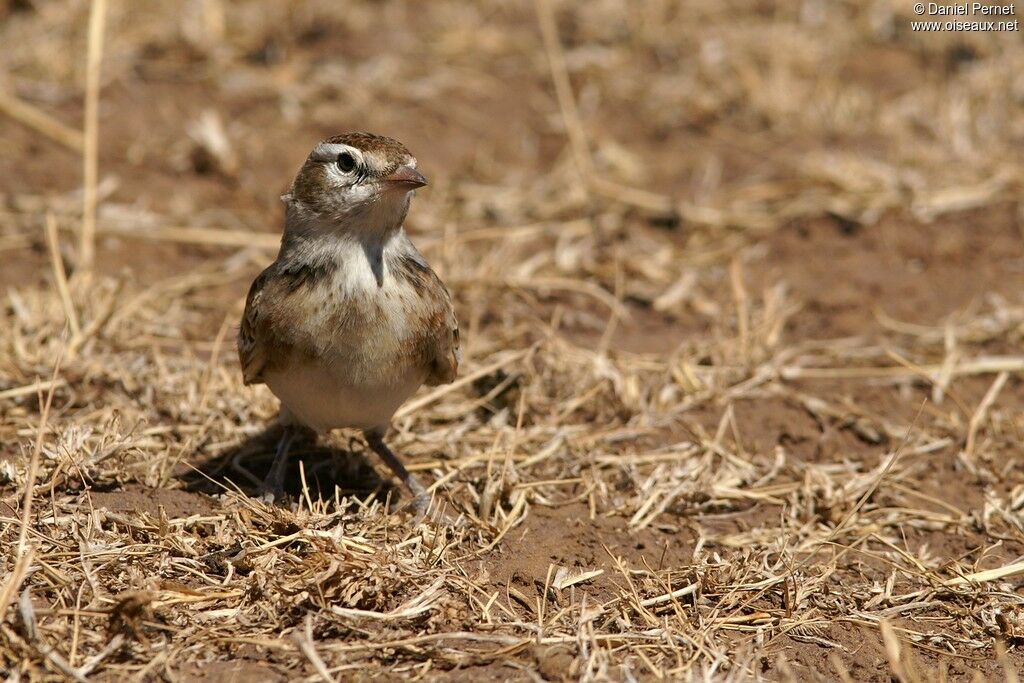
[{"x": 349, "y": 320}]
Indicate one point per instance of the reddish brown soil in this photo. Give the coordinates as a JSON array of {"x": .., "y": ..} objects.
[
  {"x": 566, "y": 536},
  {"x": 918, "y": 273},
  {"x": 236, "y": 671},
  {"x": 137, "y": 499}
]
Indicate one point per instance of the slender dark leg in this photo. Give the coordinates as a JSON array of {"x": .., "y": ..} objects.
[
  {"x": 273, "y": 485},
  {"x": 421, "y": 498}
]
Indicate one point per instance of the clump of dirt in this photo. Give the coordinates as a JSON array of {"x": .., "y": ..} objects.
[{"x": 135, "y": 499}]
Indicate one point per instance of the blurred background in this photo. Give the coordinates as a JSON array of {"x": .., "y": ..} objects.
[
  {"x": 693, "y": 126},
  {"x": 710, "y": 258}
]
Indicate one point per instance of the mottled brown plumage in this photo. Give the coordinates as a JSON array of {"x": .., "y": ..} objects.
[
  {"x": 437, "y": 340},
  {"x": 350, "y": 319}
]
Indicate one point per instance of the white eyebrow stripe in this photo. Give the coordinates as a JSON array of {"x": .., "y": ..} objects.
[{"x": 330, "y": 150}]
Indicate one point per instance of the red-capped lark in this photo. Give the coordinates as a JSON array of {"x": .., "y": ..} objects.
[{"x": 350, "y": 320}]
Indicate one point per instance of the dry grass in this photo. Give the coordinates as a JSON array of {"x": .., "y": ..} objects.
[{"x": 897, "y": 532}]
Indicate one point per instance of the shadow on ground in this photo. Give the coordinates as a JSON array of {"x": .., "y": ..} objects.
[{"x": 316, "y": 465}]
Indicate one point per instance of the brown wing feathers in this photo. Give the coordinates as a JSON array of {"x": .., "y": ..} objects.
[{"x": 252, "y": 351}]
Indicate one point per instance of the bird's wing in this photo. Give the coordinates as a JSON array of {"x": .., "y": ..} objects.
[
  {"x": 447, "y": 351},
  {"x": 252, "y": 333},
  {"x": 437, "y": 345}
]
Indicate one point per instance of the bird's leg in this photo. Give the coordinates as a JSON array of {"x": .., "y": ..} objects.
[
  {"x": 273, "y": 485},
  {"x": 421, "y": 497}
]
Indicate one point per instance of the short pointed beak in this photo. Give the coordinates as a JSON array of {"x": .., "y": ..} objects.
[{"x": 406, "y": 175}]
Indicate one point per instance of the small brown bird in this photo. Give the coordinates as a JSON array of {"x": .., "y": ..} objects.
[{"x": 350, "y": 320}]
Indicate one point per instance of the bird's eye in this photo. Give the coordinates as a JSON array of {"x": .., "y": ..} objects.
[{"x": 346, "y": 162}]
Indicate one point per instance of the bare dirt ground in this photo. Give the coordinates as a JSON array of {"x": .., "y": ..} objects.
[{"x": 742, "y": 308}]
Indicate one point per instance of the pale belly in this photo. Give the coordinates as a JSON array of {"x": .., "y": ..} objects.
[
  {"x": 352, "y": 354},
  {"x": 327, "y": 399}
]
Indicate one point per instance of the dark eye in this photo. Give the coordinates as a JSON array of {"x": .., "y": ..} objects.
[{"x": 346, "y": 162}]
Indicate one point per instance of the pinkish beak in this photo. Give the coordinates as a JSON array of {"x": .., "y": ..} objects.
[{"x": 406, "y": 175}]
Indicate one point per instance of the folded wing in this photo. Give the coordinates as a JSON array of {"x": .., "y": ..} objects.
[{"x": 252, "y": 342}]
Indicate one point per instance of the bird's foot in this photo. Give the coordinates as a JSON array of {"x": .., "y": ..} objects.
[
  {"x": 271, "y": 490},
  {"x": 423, "y": 504},
  {"x": 272, "y": 487},
  {"x": 425, "y": 507}
]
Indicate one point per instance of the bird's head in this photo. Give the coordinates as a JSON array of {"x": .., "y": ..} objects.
[{"x": 355, "y": 182}]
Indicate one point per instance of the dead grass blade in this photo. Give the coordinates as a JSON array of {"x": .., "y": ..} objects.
[
  {"x": 27, "y": 115},
  {"x": 90, "y": 174}
]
